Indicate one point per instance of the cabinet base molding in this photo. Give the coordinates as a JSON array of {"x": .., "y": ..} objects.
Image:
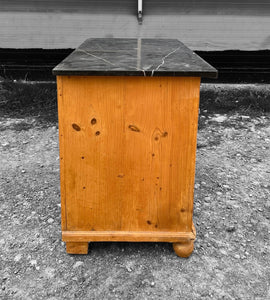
[{"x": 77, "y": 241}]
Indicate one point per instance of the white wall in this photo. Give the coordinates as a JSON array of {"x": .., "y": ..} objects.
[{"x": 202, "y": 25}]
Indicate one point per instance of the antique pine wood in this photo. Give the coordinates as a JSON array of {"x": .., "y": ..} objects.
[{"x": 127, "y": 155}]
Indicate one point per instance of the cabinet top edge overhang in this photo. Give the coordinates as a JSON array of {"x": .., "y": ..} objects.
[{"x": 134, "y": 57}]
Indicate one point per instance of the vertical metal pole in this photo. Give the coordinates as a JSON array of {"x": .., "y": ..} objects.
[{"x": 140, "y": 11}]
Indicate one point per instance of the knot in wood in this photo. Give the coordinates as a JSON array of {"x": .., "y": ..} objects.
[{"x": 134, "y": 128}]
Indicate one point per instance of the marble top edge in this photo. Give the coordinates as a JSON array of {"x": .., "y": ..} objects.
[{"x": 134, "y": 57}]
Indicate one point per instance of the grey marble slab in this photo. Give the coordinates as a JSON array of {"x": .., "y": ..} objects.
[{"x": 134, "y": 57}]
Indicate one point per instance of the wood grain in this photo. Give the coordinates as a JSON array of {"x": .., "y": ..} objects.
[
  {"x": 127, "y": 236},
  {"x": 77, "y": 247},
  {"x": 183, "y": 249},
  {"x": 61, "y": 154},
  {"x": 127, "y": 152}
]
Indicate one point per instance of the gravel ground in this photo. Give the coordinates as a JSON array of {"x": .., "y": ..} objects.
[{"x": 231, "y": 259}]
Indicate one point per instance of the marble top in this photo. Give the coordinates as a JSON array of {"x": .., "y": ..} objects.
[{"x": 134, "y": 57}]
